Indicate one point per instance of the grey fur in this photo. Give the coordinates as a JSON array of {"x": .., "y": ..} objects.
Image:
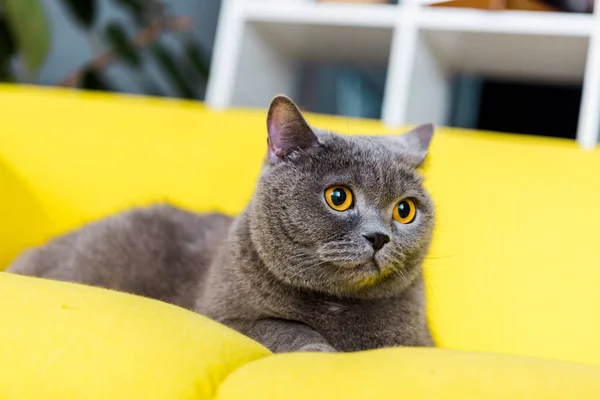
[{"x": 289, "y": 271}]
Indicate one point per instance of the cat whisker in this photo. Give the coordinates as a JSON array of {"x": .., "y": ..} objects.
[
  {"x": 334, "y": 236},
  {"x": 398, "y": 255},
  {"x": 402, "y": 275},
  {"x": 299, "y": 256},
  {"x": 338, "y": 246},
  {"x": 343, "y": 256},
  {"x": 303, "y": 269},
  {"x": 438, "y": 257},
  {"x": 343, "y": 253}
]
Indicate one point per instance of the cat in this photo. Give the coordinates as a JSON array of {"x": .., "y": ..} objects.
[{"x": 327, "y": 256}]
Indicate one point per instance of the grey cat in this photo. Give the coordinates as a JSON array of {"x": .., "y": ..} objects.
[{"x": 327, "y": 256}]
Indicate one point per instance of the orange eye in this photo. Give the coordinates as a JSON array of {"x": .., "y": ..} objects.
[
  {"x": 339, "y": 198},
  {"x": 405, "y": 211}
]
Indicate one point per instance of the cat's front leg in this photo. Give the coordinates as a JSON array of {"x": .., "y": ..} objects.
[
  {"x": 283, "y": 336},
  {"x": 317, "y": 347}
]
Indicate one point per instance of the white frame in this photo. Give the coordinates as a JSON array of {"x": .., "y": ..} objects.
[{"x": 258, "y": 42}]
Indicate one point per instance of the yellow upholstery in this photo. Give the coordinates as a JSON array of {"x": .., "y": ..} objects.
[
  {"x": 409, "y": 373},
  {"x": 514, "y": 268},
  {"x": 23, "y": 220},
  {"x": 65, "y": 341}
]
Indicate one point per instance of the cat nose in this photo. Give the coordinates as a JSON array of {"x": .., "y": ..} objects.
[{"x": 377, "y": 240}]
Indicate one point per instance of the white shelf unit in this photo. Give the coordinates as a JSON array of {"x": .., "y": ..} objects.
[{"x": 260, "y": 43}]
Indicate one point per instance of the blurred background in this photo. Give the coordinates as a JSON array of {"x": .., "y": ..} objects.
[
  {"x": 504, "y": 65},
  {"x": 153, "y": 47}
]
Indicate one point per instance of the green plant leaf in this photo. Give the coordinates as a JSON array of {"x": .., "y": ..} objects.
[
  {"x": 29, "y": 25},
  {"x": 120, "y": 44},
  {"x": 166, "y": 61},
  {"x": 197, "y": 57},
  {"x": 84, "y": 11},
  {"x": 94, "y": 80},
  {"x": 7, "y": 42}
]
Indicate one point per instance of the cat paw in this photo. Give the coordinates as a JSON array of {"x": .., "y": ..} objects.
[{"x": 317, "y": 347}]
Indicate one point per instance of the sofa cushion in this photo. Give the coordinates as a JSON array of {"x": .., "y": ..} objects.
[
  {"x": 410, "y": 373},
  {"x": 63, "y": 341}
]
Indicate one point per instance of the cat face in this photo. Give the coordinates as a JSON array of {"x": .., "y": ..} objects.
[{"x": 342, "y": 215}]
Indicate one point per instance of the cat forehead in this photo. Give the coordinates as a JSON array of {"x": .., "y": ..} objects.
[
  {"x": 360, "y": 143},
  {"x": 366, "y": 150},
  {"x": 365, "y": 158}
]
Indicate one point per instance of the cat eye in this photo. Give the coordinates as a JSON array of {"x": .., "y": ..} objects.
[
  {"x": 405, "y": 211},
  {"x": 339, "y": 198}
]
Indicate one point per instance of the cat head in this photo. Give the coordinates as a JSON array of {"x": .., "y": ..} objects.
[{"x": 342, "y": 215}]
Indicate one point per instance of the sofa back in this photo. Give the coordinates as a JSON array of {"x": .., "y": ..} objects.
[{"x": 515, "y": 264}]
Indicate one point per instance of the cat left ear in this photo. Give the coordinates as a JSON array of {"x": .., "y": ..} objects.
[
  {"x": 415, "y": 144},
  {"x": 288, "y": 130}
]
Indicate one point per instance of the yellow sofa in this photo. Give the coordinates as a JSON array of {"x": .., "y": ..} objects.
[{"x": 512, "y": 278}]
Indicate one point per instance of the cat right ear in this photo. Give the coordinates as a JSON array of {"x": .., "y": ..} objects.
[
  {"x": 288, "y": 130},
  {"x": 414, "y": 145}
]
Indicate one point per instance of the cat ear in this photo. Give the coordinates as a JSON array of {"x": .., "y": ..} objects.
[
  {"x": 288, "y": 130},
  {"x": 415, "y": 144}
]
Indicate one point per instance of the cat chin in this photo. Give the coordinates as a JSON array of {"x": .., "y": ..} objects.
[
  {"x": 372, "y": 265},
  {"x": 372, "y": 273},
  {"x": 390, "y": 283}
]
